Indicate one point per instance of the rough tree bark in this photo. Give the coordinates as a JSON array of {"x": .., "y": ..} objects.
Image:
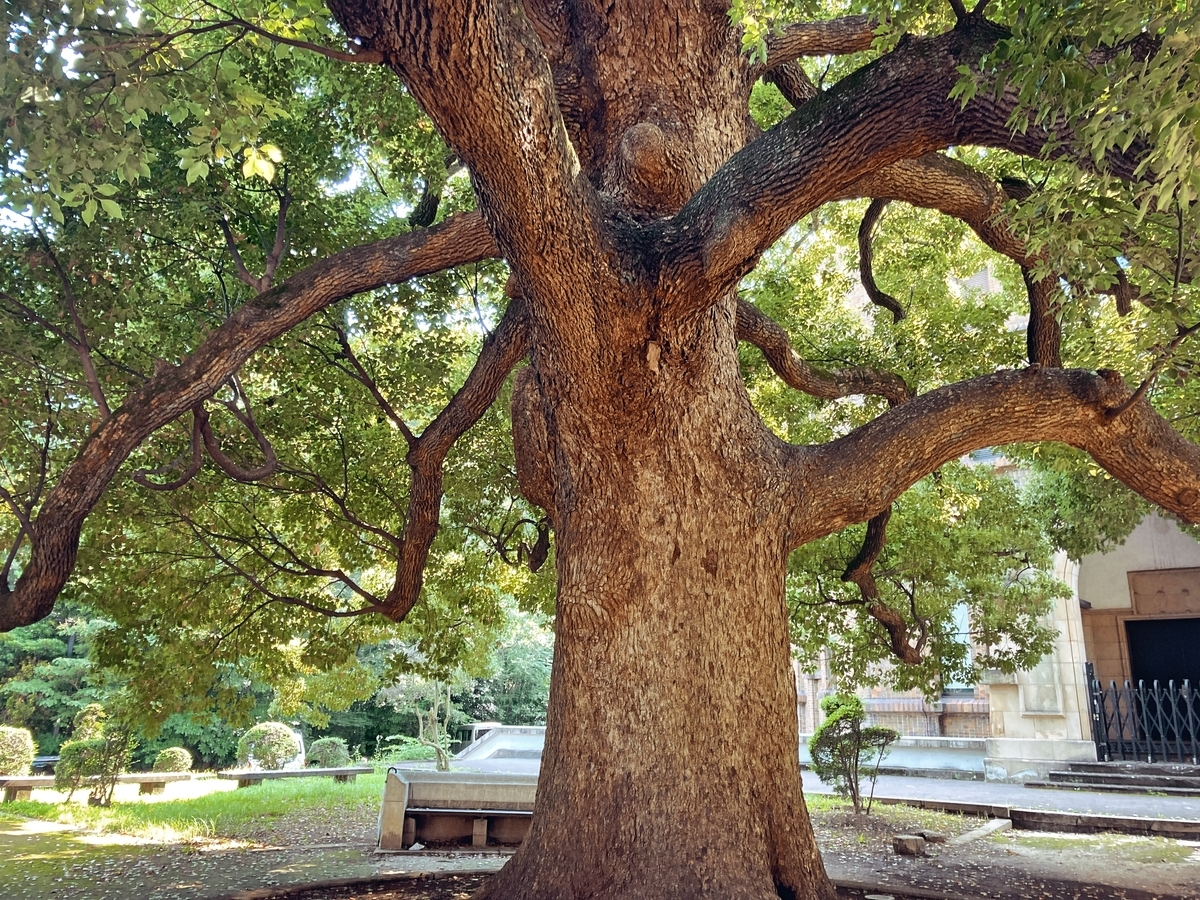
[{"x": 609, "y": 149}]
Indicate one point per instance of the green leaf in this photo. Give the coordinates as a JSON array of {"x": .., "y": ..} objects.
[{"x": 197, "y": 170}]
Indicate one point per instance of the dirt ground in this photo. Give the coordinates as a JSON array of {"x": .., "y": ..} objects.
[{"x": 57, "y": 862}]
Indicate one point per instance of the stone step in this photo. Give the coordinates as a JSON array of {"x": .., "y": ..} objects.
[
  {"x": 1115, "y": 788},
  {"x": 1136, "y": 768},
  {"x": 1132, "y": 780}
]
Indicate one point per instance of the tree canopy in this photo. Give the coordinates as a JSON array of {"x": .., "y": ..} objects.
[{"x": 268, "y": 269}]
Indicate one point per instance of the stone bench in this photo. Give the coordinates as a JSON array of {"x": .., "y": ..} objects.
[
  {"x": 249, "y": 777},
  {"x": 19, "y": 787},
  {"x": 421, "y": 805}
]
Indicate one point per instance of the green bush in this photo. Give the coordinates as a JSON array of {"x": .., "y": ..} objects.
[
  {"x": 328, "y": 753},
  {"x": 843, "y": 750},
  {"x": 173, "y": 759},
  {"x": 97, "y": 761},
  {"x": 16, "y": 751},
  {"x": 269, "y": 745}
]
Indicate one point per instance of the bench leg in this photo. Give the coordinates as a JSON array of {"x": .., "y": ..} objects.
[
  {"x": 248, "y": 782},
  {"x": 17, "y": 793},
  {"x": 151, "y": 787},
  {"x": 479, "y": 835},
  {"x": 343, "y": 779},
  {"x": 410, "y": 832}
]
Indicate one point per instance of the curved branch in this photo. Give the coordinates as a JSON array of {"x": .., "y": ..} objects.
[
  {"x": 860, "y": 573},
  {"x": 866, "y": 272},
  {"x": 170, "y": 393},
  {"x": 501, "y": 352},
  {"x": 199, "y": 423},
  {"x": 227, "y": 465},
  {"x": 858, "y": 476},
  {"x": 756, "y": 327}
]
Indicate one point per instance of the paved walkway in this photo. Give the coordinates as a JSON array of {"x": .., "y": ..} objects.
[
  {"x": 911, "y": 788},
  {"x": 1018, "y": 796}
]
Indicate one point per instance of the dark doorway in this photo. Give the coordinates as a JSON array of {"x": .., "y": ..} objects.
[{"x": 1164, "y": 650}]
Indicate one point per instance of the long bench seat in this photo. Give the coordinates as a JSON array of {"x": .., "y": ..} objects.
[
  {"x": 19, "y": 787},
  {"x": 249, "y": 777},
  {"x": 420, "y": 805}
]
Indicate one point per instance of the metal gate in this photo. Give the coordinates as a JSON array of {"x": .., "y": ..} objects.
[{"x": 1145, "y": 723}]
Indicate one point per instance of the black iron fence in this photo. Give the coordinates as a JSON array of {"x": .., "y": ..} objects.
[{"x": 1145, "y": 723}]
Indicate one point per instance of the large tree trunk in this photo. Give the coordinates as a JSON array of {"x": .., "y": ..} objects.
[{"x": 671, "y": 765}]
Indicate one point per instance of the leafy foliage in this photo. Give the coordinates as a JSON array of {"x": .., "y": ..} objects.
[
  {"x": 844, "y": 750},
  {"x": 16, "y": 750},
  {"x": 139, "y": 157},
  {"x": 268, "y": 745}
]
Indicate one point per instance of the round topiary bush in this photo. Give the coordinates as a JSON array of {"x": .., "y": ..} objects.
[
  {"x": 16, "y": 751},
  {"x": 268, "y": 745},
  {"x": 173, "y": 759},
  {"x": 329, "y": 753}
]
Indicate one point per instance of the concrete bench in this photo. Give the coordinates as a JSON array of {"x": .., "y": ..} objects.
[
  {"x": 427, "y": 806},
  {"x": 249, "y": 777},
  {"x": 19, "y": 787}
]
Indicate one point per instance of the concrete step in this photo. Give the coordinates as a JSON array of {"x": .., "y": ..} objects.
[
  {"x": 1137, "y": 768},
  {"x": 1152, "y": 781},
  {"x": 1115, "y": 788}
]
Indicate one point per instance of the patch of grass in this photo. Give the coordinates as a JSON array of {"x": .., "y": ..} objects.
[
  {"x": 1129, "y": 848},
  {"x": 223, "y": 814}
]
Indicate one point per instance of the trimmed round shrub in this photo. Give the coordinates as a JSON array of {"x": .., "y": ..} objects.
[
  {"x": 269, "y": 745},
  {"x": 16, "y": 751},
  {"x": 328, "y": 753},
  {"x": 173, "y": 759}
]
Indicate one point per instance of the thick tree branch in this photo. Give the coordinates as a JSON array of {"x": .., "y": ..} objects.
[
  {"x": 793, "y": 82},
  {"x": 199, "y": 417},
  {"x": 756, "y": 327},
  {"x": 815, "y": 155},
  {"x": 856, "y": 477},
  {"x": 835, "y": 37},
  {"x": 172, "y": 392},
  {"x": 507, "y": 126},
  {"x": 1043, "y": 334}
]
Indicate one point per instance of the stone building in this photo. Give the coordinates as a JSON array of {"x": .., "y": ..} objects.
[{"x": 1133, "y": 613}]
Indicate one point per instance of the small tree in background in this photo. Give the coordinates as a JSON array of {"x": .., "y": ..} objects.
[
  {"x": 96, "y": 761},
  {"x": 842, "y": 749},
  {"x": 16, "y": 750},
  {"x": 270, "y": 745}
]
